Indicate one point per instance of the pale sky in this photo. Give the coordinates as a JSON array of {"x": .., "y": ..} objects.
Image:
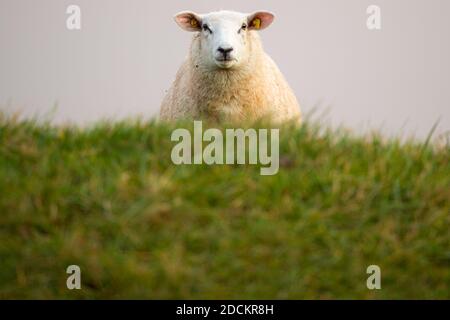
[{"x": 126, "y": 54}]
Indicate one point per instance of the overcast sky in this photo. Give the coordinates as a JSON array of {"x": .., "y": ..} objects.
[{"x": 126, "y": 54}]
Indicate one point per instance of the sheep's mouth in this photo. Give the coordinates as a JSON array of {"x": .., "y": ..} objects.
[
  {"x": 225, "y": 62},
  {"x": 228, "y": 58}
]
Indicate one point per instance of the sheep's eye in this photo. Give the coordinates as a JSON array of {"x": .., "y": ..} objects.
[
  {"x": 243, "y": 27},
  {"x": 206, "y": 28}
]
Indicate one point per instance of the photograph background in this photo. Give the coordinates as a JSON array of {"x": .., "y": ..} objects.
[
  {"x": 108, "y": 198},
  {"x": 120, "y": 63}
]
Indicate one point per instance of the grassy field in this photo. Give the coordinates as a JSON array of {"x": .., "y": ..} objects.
[{"x": 109, "y": 199}]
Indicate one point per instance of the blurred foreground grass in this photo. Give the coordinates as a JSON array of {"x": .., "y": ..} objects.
[{"x": 109, "y": 199}]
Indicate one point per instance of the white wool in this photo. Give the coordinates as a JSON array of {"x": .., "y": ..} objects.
[{"x": 241, "y": 85}]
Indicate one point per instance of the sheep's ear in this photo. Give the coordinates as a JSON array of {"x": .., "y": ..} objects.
[
  {"x": 188, "y": 21},
  {"x": 260, "y": 20}
]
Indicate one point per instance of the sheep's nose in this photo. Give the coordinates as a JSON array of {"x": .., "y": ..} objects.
[{"x": 225, "y": 51}]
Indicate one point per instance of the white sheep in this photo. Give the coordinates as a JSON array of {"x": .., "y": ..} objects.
[{"x": 227, "y": 76}]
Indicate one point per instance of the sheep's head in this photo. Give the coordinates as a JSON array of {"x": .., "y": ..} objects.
[{"x": 224, "y": 35}]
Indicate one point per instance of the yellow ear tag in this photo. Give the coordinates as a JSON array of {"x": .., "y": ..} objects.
[
  {"x": 194, "y": 23},
  {"x": 256, "y": 23}
]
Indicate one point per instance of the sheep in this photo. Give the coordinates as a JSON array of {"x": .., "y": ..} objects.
[{"x": 227, "y": 76}]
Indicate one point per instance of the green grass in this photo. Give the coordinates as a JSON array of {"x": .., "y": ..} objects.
[{"x": 109, "y": 199}]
